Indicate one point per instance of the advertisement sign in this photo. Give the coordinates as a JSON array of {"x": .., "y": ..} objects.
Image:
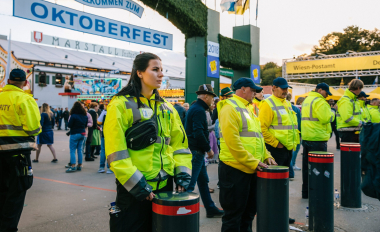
[
  {"x": 212, "y": 49},
  {"x": 121, "y": 4},
  {"x": 227, "y": 72},
  {"x": 60, "y": 16},
  {"x": 213, "y": 66},
  {"x": 334, "y": 65},
  {"x": 255, "y": 73},
  {"x": 39, "y": 37},
  {"x": 97, "y": 86}
]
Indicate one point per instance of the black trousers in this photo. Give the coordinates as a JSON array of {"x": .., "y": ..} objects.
[
  {"x": 335, "y": 131},
  {"x": 348, "y": 137},
  {"x": 307, "y": 147},
  {"x": 88, "y": 142},
  {"x": 238, "y": 198},
  {"x": 282, "y": 156},
  {"x": 135, "y": 216},
  {"x": 13, "y": 186}
]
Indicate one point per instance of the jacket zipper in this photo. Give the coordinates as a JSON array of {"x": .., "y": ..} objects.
[{"x": 162, "y": 146}]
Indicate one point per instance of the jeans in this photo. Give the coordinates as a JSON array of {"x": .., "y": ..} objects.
[
  {"x": 293, "y": 162},
  {"x": 309, "y": 146},
  {"x": 59, "y": 123},
  {"x": 103, "y": 155},
  {"x": 199, "y": 175},
  {"x": 66, "y": 124},
  {"x": 76, "y": 144}
]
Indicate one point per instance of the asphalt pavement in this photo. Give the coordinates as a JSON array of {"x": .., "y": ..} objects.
[{"x": 79, "y": 201}]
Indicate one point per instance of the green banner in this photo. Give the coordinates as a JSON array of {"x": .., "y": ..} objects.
[{"x": 226, "y": 72}]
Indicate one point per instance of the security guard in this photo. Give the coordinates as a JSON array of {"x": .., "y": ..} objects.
[
  {"x": 349, "y": 114},
  {"x": 316, "y": 128},
  {"x": 19, "y": 124},
  {"x": 258, "y": 100},
  {"x": 242, "y": 153},
  {"x": 365, "y": 115},
  {"x": 374, "y": 110},
  {"x": 226, "y": 93},
  {"x": 279, "y": 124},
  {"x": 144, "y": 165}
]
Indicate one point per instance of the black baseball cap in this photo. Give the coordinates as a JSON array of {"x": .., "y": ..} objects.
[
  {"x": 324, "y": 87},
  {"x": 245, "y": 82},
  {"x": 281, "y": 82},
  {"x": 362, "y": 94},
  {"x": 17, "y": 75}
]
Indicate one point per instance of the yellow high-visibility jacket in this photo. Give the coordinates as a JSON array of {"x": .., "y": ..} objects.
[
  {"x": 348, "y": 115},
  {"x": 375, "y": 113},
  {"x": 365, "y": 115},
  {"x": 146, "y": 170},
  {"x": 19, "y": 120}
]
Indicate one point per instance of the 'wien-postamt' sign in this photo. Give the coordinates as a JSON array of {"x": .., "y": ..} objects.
[
  {"x": 56, "y": 15},
  {"x": 128, "y": 5}
]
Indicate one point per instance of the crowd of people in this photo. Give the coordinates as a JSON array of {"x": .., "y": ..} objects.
[{"x": 152, "y": 146}]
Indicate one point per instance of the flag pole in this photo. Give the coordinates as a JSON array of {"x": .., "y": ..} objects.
[{"x": 8, "y": 70}]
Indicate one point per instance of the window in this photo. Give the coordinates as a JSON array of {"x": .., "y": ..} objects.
[
  {"x": 58, "y": 80},
  {"x": 43, "y": 79}
]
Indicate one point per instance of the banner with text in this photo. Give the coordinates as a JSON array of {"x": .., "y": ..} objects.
[
  {"x": 213, "y": 64},
  {"x": 56, "y": 15},
  {"x": 130, "y": 6}
]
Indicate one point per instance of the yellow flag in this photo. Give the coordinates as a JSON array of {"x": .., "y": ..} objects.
[{"x": 241, "y": 6}]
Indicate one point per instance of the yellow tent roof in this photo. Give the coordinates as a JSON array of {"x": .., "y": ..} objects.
[
  {"x": 373, "y": 95},
  {"x": 340, "y": 90},
  {"x": 377, "y": 90},
  {"x": 335, "y": 95}
]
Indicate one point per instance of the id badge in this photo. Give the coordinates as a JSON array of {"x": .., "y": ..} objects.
[
  {"x": 146, "y": 113},
  {"x": 283, "y": 112}
]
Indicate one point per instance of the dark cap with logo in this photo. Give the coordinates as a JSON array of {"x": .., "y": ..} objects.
[
  {"x": 362, "y": 94},
  {"x": 17, "y": 75},
  {"x": 245, "y": 82},
  {"x": 281, "y": 82},
  {"x": 324, "y": 87},
  {"x": 206, "y": 89}
]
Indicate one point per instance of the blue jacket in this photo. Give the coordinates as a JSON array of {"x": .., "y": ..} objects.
[
  {"x": 298, "y": 112},
  {"x": 181, "y": 112},
  {"x": 197, "y": 128},
  {"x": 47, "y": 123},
  {"x": 77, "y": 124}
]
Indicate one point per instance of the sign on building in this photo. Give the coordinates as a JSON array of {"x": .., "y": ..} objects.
[
  {"x": 60, "y": 16},
  {"x": 213, "y": 64},
  {"x": 128, "y": 5},
  {"x": 255, "y": 73}
]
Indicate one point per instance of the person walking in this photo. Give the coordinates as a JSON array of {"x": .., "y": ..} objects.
[
  {"x": 374, "y": 110},
  {"x": 295, "y": 152},
  {"x": 95, "y": 141},
  {"x": 365, "y": 115},
  {"x": 77, "y": 124},
  {"x": 101, "y": 120},
  {"x": 279, "y": 124},
  {"x": 90, "y": 131},
  {"x": 316, "y": 128},
  {"x": 19, "y": 124},
  {"x": 197, "y": 131},
  {"x": 47, "y": 134},
  {"x": 333, "y": 106},
  {"x": 148, "y": 168},
  {"x": 242, "y": 153},
  {"x": 66, "y": 115},
  {"x": 60, "y": 117},
  {"x": 348, "y": 117}
]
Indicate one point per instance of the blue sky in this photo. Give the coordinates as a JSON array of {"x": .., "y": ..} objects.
[{"x": 288, "y": 28}]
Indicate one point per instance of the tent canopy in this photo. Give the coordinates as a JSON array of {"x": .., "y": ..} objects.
[
  {"x": 377, "y": 90},
  {"x": 335, "y": 95},
  {"x": 340, "y": 90}
]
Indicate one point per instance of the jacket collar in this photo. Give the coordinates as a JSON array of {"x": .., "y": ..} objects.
[
  {"x": 280, "y": 99},
  {"x": 10, "y": 87},
  {"x": 371, "y": 106},
  {"x": 245, "y": 102},
  {"x": 316, "y": 94},
  {"x": 202, "y": 103},
  {"x": 362, "y": 103},
  {"x": 350, "y": 94}
]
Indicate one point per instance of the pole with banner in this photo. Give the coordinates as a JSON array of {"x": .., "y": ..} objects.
[{"x": 8, "y": 69}]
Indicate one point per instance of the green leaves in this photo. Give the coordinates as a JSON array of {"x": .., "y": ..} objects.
[{"x": 234, "y": 53}]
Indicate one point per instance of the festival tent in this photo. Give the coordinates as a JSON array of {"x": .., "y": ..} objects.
[
  {"x": 377, "y": 90},
  {"x": 335, "y": 95},
  {"x": 340, "y": 90}
]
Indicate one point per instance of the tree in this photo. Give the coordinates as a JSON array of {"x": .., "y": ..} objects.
[
  {"x": 269, "y": 74},
  {"x": 270, "y": 65}
]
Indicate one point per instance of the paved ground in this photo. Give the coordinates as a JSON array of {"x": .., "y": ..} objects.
[{"x": 60, "y": 201}]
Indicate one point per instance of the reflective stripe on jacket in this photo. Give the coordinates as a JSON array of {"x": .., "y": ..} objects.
[
  {"x": 316, "y": 120},
  {"x": 241, "y": 141},
  {"x": 146, "y": 169},
  {"x": 284, "y": 122},
  {"x": 348, "y": 115},
  {"x": 375, "y": 113},
  {"x": 19, "y": 120}
]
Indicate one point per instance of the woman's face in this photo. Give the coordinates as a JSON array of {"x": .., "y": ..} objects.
[
  {"x": 96, "y": 108},
  {"x": 152, "y": 76}
]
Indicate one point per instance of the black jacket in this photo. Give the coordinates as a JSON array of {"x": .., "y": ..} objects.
[
  {"x": 196, "y": 127},
  {"x": 370, "y": 152},
  {"x": 181, "y": 112},
  {"x": 66, "y": 115},
  {"x": 94, "y": 117}
]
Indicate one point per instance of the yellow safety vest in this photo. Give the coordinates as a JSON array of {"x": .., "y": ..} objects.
[
  {"x": 284, "y": 124},
  {"x": 169, "y": 155},
  {"x": 19, "y": 120},
  {"x": 348, "y": 115},
  {"x": 249, "y": 131},
  {"x": 375, "y": 113},
  {"x": 366, "y": 116}
]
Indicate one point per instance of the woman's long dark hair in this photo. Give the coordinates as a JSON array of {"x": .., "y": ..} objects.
[
  {"x": 134, "y": 85},
  {"x": 78, "y": 109}
]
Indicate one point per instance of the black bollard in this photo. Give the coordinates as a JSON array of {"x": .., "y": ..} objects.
[
  {"x": 350, "y": 175},
  {"x": 321, "y": 191},
  {"x": 174, "y": 212},
  {"x": 273, "y": 199}
]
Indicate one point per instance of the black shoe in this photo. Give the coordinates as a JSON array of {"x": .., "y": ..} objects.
[
  {"x": 89, "y": 159},
  {"x": 54, "y": 161},
  {"x": 35, "y": 161},
  {"x": 291, "y": 221},
  {"x": 305, "y": 197},
  {"x": 215, "y": 213},
  {"x": 94, "y": 157}
]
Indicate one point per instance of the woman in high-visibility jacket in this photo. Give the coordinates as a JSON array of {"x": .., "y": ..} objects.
[{"x": 142, "y": 173}]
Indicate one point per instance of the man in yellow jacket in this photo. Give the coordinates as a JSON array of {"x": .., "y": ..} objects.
[
  {"x": 316, "y": 128},
  {"x": 374, "y": 110},
  {"x": 365, "y": 115},
  {"x": 348, "y": 117},
  {"x": 242, "y": 153},
  {"x": 19, "y": 124}
]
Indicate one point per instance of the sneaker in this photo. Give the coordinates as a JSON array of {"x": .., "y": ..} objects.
[
  {"x": 101, "y": 170},
  {"x": 89, "y": 159},
  {"x": 296, "y": 168},
  {"x": 54, "y": 161},
  {"x": 109, "y": 172},
  {"x": 217, "y": 213},
  {"x": 35, "y": 161},
  {"x": 68, "y": 165},
  {"x": 79, "y": 168},
  {"x": 71, "y": 169}
]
